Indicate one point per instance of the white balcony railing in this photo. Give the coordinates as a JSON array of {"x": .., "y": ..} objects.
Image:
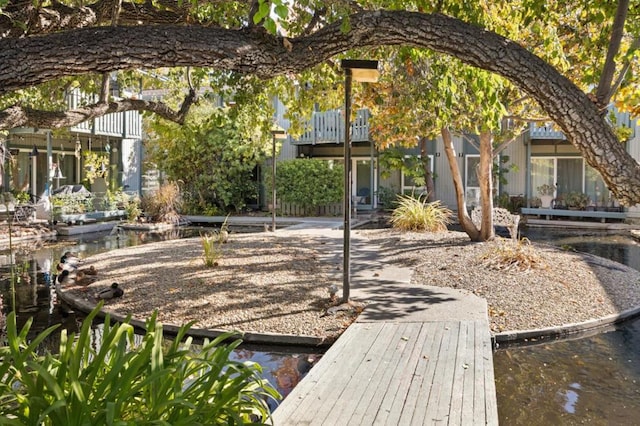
[
  {"x": 548, "y": 131},
  {"x": 127, "y": 124},
  {"x": 328, "y": 127}
]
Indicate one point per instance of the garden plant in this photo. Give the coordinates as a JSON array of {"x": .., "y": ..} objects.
[{"x": 112, "y": 377}]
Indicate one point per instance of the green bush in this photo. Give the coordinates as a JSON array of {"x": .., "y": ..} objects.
[
  {"x": 387, "y": 198},
  {"x": 72, "y": 203},
  {"x": 309, "y": 183},
  {"x": 125, "y": 382},
  {"x": 415, "y": 214}
]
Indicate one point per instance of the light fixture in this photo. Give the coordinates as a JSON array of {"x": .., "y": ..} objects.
[
  {"x": 365, "y": 71},
  {"x": 78, "y": 147},
  {"x": 277, "y": 133},
  {"x": 57, "y": 173},
  {"x": 34, "y": 152}
]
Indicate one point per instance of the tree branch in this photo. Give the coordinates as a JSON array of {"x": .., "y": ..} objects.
[
  {"x": 635, "y": 45},
  {"x": 18, "y": 116},
  {"x": 603, "y": 92}
]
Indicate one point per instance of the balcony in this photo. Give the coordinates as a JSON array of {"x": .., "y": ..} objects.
[
  {"x": 328, "y": 127},
  {"x": 549, "y": 132},
  {"x": 126, "y": 125}
]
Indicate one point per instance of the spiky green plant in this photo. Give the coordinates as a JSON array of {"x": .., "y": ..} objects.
[
  {"x": 125, "y": 381},
  {"x": 211, "y": 248},
  {"x": 416, "y": 214}
]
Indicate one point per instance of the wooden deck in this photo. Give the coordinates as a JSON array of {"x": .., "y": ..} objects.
[
  {"x": 549, "y": 213},
  {"x": 399, "y": 373}
]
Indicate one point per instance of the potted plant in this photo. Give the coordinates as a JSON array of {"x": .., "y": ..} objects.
[
  {"x": 576, "y": 200},
  {"x": 546, "y": 192}
]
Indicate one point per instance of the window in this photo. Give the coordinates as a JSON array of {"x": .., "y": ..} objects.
[{"x": 408, "y": 183}]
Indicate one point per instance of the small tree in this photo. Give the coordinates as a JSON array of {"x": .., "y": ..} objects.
[
  {"x": 309, "y": 183},
  {"x": 213, "y": 156}
]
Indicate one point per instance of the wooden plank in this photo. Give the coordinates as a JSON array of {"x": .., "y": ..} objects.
[
  {"x": 460, "y": 375},
  {"x": 469, "y": 391},
  {"x": 377, "y": 359},
  {"x": 441, "y": 386},
  {"x": 416, "y": 403},
  {"x": 306, "y": 386},
  {"x": 401, "y": 349},
  {"x": 394, "y": 402},
  {"x": 489, "y": 384},
  {"x": 573, "y": 213},
  {"x": 317, "y": 393}
]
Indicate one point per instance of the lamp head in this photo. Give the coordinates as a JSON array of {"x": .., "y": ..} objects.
[{"x": 365, "y": 71}]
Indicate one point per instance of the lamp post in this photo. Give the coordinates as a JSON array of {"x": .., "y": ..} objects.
[
  {"x": 278, "y": 134},
  {"x": 33, "y": 155},
  {"x": 367, "y": 72}
]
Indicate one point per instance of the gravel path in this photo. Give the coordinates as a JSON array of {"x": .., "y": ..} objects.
[{"x": 278, "y": 284}]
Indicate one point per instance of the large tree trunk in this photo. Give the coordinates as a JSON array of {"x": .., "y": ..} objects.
[
  {"x": 463, "y": 217},
  {"x": 30, "y": 61},
  {"x": 485, "y": 178},
  {"x": 426, "y": 166}
]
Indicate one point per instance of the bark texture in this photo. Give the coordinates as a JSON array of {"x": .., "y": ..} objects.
[
  {"x": 485, "y": 179},
  {"x": 32, "y": 60},
  {"x": 463, "y": 217}
]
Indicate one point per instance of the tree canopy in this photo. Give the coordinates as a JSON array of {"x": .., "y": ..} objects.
[{"x": 44, "y": 44}]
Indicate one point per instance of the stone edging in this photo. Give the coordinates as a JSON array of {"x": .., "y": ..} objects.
[
  {"x": 541, "y": 335},
  {"x": 172, "y": 329}
]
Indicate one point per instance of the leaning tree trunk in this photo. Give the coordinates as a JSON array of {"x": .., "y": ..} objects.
[
  {"x": 485, "y": 179},
  {"x": 463, "y": 217},
  {"x": 426, "y": 166}
]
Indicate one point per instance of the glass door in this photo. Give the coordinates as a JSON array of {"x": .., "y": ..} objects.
[{"x": 363, "y": 182}]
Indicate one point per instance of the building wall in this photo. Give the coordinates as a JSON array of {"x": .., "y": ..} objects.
[{"x": 131, "y": 158}]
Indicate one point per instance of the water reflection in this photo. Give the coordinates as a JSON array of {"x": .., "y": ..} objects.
[
  {"x": 35, "y": 296},
  {"x": 592, "y": 380}
]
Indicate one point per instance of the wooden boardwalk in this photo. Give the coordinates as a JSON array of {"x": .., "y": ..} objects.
[{"x": 399, "y": 373}]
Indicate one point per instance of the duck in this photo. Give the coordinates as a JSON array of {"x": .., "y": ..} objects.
[
  {"x": 84, "y": 279},
  {"x": 91, "y": 270},
  {"x": 111, "y": 292},
  {"x": 62, "y": 276},
  {"x": 70, "y": 259}
]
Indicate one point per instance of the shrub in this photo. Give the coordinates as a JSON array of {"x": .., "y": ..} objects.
[
  {"x": 132, "y": 207},
  {"x": 164, "y": 204},
  {"x": 387, "y": 198},
  {"x": 309, "y": 183},
  {"x": 127, "y": 382},
  {"x": 508, "y": 255},
  {"x": 415, "y": 214},
  {"x": 72, "y": 203}
]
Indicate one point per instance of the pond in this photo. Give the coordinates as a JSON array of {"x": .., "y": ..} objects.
[
  {"x": 593, "y": 380},
  {"x": 36, "y": 298}
]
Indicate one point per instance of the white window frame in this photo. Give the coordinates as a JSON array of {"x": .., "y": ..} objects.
[{"x": 417, "y": 190}]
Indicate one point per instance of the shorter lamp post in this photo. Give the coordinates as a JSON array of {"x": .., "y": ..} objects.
[
  {"x": 278, "y": 134},
  {"x": 366, "y": 72}
]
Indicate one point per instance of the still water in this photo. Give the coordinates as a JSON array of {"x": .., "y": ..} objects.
[
  {"x": 592, "y": 380},
  {"x": 35, "y": 297}
]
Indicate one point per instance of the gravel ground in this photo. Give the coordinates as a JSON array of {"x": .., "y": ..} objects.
[
  {"x": 264, "y": 283},
  {"x": 551, "y": 288}
]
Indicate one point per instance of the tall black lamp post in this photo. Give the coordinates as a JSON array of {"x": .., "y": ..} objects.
[
  {"x": 278, "y": 134},
  {"x": 367, "y": 72}
]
